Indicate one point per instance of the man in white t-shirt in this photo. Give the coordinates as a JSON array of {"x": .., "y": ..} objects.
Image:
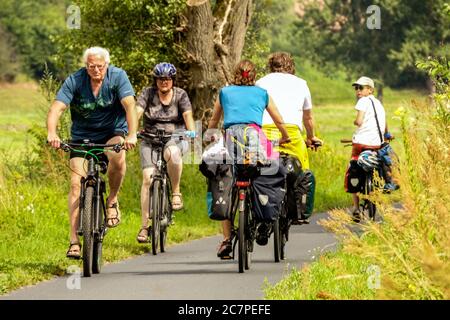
[{"x": 293, "y": 100}]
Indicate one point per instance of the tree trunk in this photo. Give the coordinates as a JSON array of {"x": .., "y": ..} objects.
[
  {"x": 380, "y": 92},
  {"x": 215, "y": 39}
]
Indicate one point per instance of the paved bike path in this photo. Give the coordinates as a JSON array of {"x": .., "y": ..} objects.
[{"x": 188, "y": 271}]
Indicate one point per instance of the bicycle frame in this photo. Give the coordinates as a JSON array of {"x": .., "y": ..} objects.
[{"x": 94, "y": 179}]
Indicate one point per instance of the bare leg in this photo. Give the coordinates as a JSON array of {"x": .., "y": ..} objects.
[
  {"x": 147, "y": 173},
  {"x": 116, "y": 170},
  {"x": 78, "y": 170},
  {"x": 174, "y": 160},
  {"x": 355, "y": 201},
  {"x": 226, "y": 225}
]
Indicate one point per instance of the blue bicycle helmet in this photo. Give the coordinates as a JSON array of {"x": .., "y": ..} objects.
[
  {"x": 368, "y": 160},
  {"x": 164, "y": 70}
]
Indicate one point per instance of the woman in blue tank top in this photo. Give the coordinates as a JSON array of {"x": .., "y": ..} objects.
[{"x": 242, "y": 103}]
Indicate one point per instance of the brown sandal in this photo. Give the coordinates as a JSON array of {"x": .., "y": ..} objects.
[
  {"x": 142, "y": 236},
  {"x": 73, "y": 253},
  {"x": 177, "y": 205},
  {"x": 111, "y": 217}
]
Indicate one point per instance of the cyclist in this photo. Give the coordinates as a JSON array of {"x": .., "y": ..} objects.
[
  {"x": 293, "y": 99},
  {"x": 367, "y": 134},
  {"x": 102, "y": 106},
  {"x": 164, "y": 106},
  {"x": 243, "y": 103}
]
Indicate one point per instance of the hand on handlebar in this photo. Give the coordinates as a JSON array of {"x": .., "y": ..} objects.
[
  {"x": 54, "y": 141},
  {"x": 314, "y": 143},
  {"x": 388, "y": 136},
  {"x": 190, "y": 134},
  {"x": 284, "y": 140},
  {"x": 130, "y": 142}
]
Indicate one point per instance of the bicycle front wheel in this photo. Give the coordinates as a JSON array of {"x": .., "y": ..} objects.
[
  {"x": 88, "y": 230},
  {"x": 276, "y": 240},
  {"x": 98, "y": 244},
  {"x": 166, "y": 218},
  {"x": 155, "y": 204}
]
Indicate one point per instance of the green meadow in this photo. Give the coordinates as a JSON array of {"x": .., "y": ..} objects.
[{"x": 34, "y": 182}]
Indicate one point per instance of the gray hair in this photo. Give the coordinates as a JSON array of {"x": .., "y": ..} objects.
[{"x": 96, "y": 51}]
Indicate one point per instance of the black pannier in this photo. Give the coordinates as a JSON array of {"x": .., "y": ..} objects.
[
  {"x": 354, "y": 178},
  {"x": 301, "y": 187},
  {"x": 220, "y": 185},
  {"x": 268, "y": 192}
]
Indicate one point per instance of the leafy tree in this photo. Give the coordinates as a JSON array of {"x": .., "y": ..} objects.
[
  {"x": 32, "y": 24},
  {"x": 8, "y": 58},
  {"x": 203, "y": 38},
  {"x": 339, "y": 34}
]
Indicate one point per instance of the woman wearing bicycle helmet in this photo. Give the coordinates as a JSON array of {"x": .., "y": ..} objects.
[{"x": 164, "y": 106}]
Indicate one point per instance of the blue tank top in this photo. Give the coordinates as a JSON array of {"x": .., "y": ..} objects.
[{"x": 243, "y": 104}]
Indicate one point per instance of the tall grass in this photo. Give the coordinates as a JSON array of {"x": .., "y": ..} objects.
[{"x": 411, "y": 248}]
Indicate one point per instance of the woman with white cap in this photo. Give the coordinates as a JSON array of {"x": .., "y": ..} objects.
[{"x": 371, "y": 123}]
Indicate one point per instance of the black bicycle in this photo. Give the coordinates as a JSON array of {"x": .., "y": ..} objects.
[
  {"x": 285, "y": 221},
  {"x": 368, "y": 207},
  {"x": 92, "y": 214},
  {"x": 244, "y": 233},
  {"x": 160, "y": 203}
]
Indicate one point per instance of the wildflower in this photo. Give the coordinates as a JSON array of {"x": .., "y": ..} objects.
[{"x": 400, "y": 111}]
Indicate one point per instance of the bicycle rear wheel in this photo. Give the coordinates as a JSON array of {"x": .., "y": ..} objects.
[
  {"x": 276, "y": 240},
  {"x": 156, "y": 214},
  {"x": 369, "y": 205},
  {"x": 242, "y": 245},
  {"x": 88, "y": 234}
]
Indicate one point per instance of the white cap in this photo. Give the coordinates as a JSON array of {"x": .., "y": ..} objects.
[{"x": 364, "y": 81}]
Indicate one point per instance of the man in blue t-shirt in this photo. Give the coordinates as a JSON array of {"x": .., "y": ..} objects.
[{"x": 102, "y": 108}]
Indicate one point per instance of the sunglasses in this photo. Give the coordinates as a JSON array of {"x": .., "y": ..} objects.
[
  {"x": 164, "y": 79},
  {"x": 359, "y": 88}
]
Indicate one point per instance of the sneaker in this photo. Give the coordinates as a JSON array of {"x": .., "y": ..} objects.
[
  {"x": 356, "y": 216},
  {"x": 263, "y": 234},
  {"x": 388, "y": 187},
  {"x": 300, "y": 221},
  {"x": 224, "y": 250}
]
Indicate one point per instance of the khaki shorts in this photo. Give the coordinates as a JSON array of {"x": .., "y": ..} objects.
[{"x": 149, "y": 156}]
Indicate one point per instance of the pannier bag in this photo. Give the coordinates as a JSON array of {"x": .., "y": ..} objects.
[
  {"x": 220, "y": 181},
  {"x": 354, "y": 178},
  {"x": 219, "y": 192},
  {"x": 267, "y": 195},
  {"x": 305, "y": 187},
  {"x": 301, "y": 187}
]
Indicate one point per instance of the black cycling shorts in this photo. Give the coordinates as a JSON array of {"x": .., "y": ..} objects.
[{"x": 100, "y": 154}]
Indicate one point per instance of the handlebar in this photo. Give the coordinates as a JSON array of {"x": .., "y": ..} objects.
[
  {"x": 163, "y": 135},
  {"x": 67, "y": 146}
]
